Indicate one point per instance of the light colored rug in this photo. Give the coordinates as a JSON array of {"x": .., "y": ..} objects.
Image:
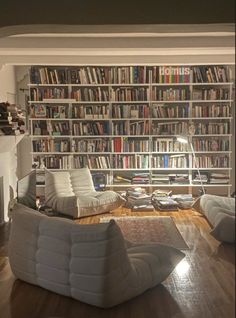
[{"x": 155, "y": 229}]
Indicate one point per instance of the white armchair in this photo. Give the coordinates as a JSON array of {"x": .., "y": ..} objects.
[
  {"x": 88, "y": 262},
  {"x": 73, "y": 193}
]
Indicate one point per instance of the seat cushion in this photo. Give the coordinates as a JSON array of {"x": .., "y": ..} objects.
[{"x": 95, "y": 202}]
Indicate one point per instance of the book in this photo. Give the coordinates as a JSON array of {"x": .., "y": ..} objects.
[{"x": 40, "y": 111}]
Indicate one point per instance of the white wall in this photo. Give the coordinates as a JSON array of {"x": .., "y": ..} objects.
[
  {"x": 24, "y": 157},
  {"x": 8, "y": 161}
]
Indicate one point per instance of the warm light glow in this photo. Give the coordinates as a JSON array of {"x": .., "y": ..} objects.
[
  {"x": 182, "y": 268},
  {"x": 182, "y": 139}
]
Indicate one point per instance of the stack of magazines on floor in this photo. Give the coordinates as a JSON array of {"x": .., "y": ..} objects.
[
  {"x": 163, "y": 201},
  {"x": 185, "y": 201},
  {"x": 138, "y": 200}
]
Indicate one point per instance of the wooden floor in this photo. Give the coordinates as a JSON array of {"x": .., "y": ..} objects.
[{"x": 201, "y": 287}]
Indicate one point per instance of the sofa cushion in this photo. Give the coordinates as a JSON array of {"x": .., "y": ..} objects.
[
  {"x": 95, "y": 202},
  {"x": 81, "y": 181}
]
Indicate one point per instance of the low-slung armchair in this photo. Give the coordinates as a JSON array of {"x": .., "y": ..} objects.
[
  {"x": 88, "y": 262},
  {"x": 73, "y": 193}
]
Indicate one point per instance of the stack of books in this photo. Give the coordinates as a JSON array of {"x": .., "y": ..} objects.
[
  {"x": 160, "y": 178},
  {"x": 204, "y": 178},
  {"x": 140, "y": 178},
  {"x": 219, "y": 178},
  {"x": 179, "y": 178},
  {"x": 185, "y": 201},
  {"x": 139, "y": 200},
  {"x": 162, "y": 200},
  {"x": 119, "y": 179},
  {"x": 165, "y": 204}
]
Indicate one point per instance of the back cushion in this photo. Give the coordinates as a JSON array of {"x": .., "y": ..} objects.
[
  {"x": 57, "y": 183},
  {"x": 81, "y": 181}
]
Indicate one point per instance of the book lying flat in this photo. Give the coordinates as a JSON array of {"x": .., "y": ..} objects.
[{"x": 143, "y": 208}]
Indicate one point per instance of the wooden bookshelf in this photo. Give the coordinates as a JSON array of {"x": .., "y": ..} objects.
[{"x": 123, "y": 120}]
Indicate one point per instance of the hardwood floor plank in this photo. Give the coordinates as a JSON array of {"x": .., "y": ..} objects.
[{"x": 203, "y": 285}]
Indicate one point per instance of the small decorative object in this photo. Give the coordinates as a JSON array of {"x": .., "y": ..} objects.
[{"x": 11, "y": 119}]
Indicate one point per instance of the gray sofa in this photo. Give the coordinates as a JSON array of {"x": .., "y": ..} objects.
[
  {"x": 90, "y": 263},
  {"x": 220, "y": 212}
]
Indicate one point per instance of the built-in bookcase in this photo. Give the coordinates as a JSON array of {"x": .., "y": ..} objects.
[{"x": 123, "y": 121}]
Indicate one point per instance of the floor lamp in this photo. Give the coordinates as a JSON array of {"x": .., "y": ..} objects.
[{"x": 185, "y": 140}]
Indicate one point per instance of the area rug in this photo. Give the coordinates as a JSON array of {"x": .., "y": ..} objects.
[{"x": 156, "y": 229}]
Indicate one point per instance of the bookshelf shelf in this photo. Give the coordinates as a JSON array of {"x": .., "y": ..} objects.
[{"x": 123, "y": 121}]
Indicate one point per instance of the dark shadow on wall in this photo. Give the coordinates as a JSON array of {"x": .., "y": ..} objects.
[{"x": 85, "y": 12}]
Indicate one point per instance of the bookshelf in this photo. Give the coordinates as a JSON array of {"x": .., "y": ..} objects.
[{"x": 123, "y": 120}]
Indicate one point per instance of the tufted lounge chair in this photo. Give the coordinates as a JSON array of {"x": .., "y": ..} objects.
[
  {"x": 220, "y": 212},
  {"x": 88, "y": 262},
  {"x": 73, "y": 193}
]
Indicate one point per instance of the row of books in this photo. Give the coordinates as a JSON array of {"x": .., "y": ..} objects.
[
  {"x": 94, "y": 128},
  {"x": 170, "y": 128},
  {"x": 168, "y": 145},
  {"x": 50, "y": 128},
  {"x": 91, "y": 111},
  {"x": 127, "y": 74},
  {"x": 136, "y": 128},
  {"x": 210, "y": 74},
  {"x": 40, "y": 94},
  {"x": 51, "y": 145},
  {"x": 45, "y": 111},
  {"x": 48, "y": 75},
  {"x": 212, "y": 161},
  {"x": 211, "y": 144},
  {"x": 91, "y": 145},
  {"x": 211, "y": 111},
  {"x": 90, "y": 94},
  {"x": 210, "y": 128},
  {"x": 127, "y": 144},
  {"x": 171, "y": 94},
  {"x": 131, "y": 128},
  {"x": 128, "y": 94},
  {"x": 169, "y": 161},
  {"x": 211, "y": 94},
  {"x": 136, "y": 161},
  {"x": 130, "y": 111},
  {"x": 167, "y": 111},
  {"x": 171, "y": 74},
  {"x": 142, "y": 161}
]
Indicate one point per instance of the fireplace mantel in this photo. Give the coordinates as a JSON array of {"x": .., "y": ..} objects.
[
  {"x": 8, "y": 143},
  {"x": 8, "y": 167}
]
